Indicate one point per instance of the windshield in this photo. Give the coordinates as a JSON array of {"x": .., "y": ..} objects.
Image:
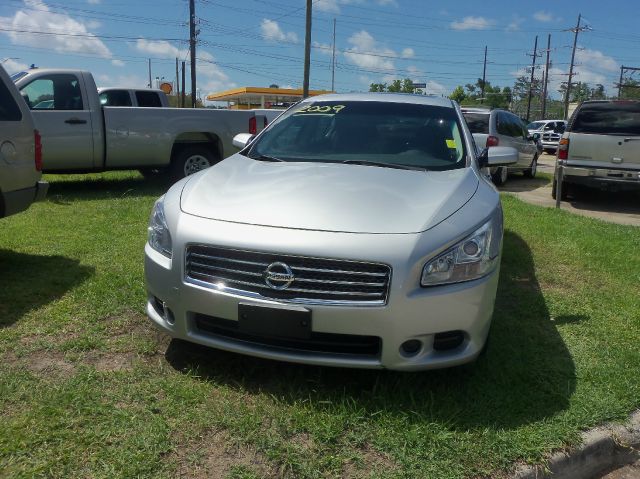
[
  {"x": 536, "y": 125},
  {"x": 371, "y": 132},
  {"x": 477, "y": 122},
  {"x": 608, "y": 118}
]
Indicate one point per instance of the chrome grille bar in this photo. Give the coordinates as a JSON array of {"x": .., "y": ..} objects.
[{"x": 314, "y": 280}]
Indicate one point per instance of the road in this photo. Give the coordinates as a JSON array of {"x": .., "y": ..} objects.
[{"x": 621, "y": 208}]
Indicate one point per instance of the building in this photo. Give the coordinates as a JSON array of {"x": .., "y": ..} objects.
[{"x": 247, "y": 98}]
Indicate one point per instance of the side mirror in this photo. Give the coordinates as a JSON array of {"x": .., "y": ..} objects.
[
  {"x": 534, "y": 137},
  {"x": 498, "y": 156},
  {"x": 241, "y": 140}
]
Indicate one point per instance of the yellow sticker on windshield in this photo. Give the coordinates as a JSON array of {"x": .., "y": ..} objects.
[{"x": 451, "y": 144}]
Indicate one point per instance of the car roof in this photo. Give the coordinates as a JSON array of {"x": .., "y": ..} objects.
[
  {"x": 385, "y": 97},
  {"x": 112, "y": 88}
]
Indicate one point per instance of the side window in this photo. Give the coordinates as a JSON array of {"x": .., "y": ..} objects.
[
  {"x": 550, "y": 126},
  {"x": 148, "y": 98},
  {"x": 54, "y": 92},
  {"x": 9, "y": 109},
  {"x": 115, "y": 98},
  {"x": 503, "y": 125}
]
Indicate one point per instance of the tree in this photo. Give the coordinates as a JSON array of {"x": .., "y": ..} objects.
[
  {"x": 630, "y": 89},
  {"x": 273, "y": 85},
  {"x": 396, "y": 86},
  {"x": 580, "y": 91},
  {"x": 458, "y": 94}
]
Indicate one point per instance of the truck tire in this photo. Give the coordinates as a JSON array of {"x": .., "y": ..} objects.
[
  {"x": 500, "y": 176},
  {"x": 531, "y": 171},
  {"x": 190, "y": 160}
]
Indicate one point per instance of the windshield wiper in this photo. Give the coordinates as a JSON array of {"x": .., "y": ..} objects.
[
  {"x": 384, "y": 165},
  {"x": 265, "y": 158}
]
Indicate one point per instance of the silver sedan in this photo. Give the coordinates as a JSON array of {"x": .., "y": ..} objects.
[{"x": 357, "y": 230}]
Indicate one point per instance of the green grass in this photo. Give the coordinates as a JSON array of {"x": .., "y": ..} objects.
[{"x": 89, "y": 389}]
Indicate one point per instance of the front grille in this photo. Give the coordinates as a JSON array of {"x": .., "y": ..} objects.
[
  {"x": 551, "y": 137},
  {"x": 328, "y": 343},
  {"x": 313, "y": 280}
]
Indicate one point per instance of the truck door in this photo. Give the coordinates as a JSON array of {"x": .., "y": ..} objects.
[{"x": 63, "y": 117}]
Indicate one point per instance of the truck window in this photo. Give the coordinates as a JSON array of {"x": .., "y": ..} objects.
[
  {"x": 608, "y": 118},
  {"x": 148, "y": 98},
  {"x": 53, "y": 92},
  {"x": 9, "y": 109},
  {"x": 115, "y": 98}
]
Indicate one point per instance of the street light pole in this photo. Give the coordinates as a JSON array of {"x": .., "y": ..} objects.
[{"x": 307, "y": 52}]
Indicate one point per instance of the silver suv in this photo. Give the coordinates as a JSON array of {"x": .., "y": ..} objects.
[
  {"x": 502, "y": 128},
  {"x": 20, "y": 152},
  {"x": 601, "y": 147}
]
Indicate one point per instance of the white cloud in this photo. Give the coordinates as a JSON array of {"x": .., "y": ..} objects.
[
  {"x": 366, "y": 52},
  {"x": 272, "y": 31},
  {"x": 159, "y": 48},
  {"x": 13, "y": 66},
  {"x": 514, "y": 25},
  {"x": 75, "y": 39},
  {"x": 385, "y": 3},
  {"x": 323, "y": 48},
  {"x": 117, "y": 63},
  {"x": 472, "y": 23},
  {"x": 408, "y": 53},
  {"x": 543, "y": 16},
  {"x": 597, "y": 60},
  {"x": 210, "y": 76},
  {"x": 93, "y": 2},
  {"x": 330, "y": 6}
]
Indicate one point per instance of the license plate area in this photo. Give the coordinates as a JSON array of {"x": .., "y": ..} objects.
[{"x": 274, "y": 321}]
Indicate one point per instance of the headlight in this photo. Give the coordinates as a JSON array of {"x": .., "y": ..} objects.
[
  {"x": 159, "y": 237},
  {"x": 472, "y": 258}
]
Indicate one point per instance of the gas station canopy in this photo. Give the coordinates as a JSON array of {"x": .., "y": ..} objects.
[{"x": 249, "y": 97}]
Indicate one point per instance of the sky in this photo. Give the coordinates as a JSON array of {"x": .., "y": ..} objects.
[{"x": 261, "y": 42}]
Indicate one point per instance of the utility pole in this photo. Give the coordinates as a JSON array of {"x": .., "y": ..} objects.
[
  {"x": 546, "y": 79},
  {"x": 192, "y": 48},
  {"x": 177, "y": 89},
  {"x": 307, "y": 52},
  {"x": 533, "y": 69},
  {"x": 150, "y": 73},
  {"x": 333, "y": 59},
  {"x": 620, "y": 82},
  {"x": 484, "y": 75},
  {"x": 183, "y": 75},
  {"x": 576, "y": 30}
]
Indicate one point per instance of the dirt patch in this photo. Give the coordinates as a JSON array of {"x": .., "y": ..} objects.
[
  {"x": 109, "y": 362},
  {"x": 43, "y": 363},
  {"x": 370, "y": 460},
  {"x": 212, "y": 454}
]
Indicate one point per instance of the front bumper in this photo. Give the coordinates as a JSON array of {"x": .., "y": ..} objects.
[
  {"x": 601, "y": 177},
  {"x": 411, "y": 312}
]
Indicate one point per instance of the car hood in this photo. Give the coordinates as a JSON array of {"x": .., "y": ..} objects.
[{"x": 327, "y": 196}]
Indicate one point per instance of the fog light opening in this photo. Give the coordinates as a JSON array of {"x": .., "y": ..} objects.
[
  {"x": 411, "y": 347},
  {"x": 168, "y": 315},
  {"x": 448, "y": 340}
]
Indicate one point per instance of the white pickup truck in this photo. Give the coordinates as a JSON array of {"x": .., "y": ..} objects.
[{"x": 80, "y": 135}]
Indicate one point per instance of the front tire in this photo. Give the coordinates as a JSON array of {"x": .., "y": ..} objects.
[
  {"x": 499, "y": 178},
  {"x": 190, "y": 160},
  {"x": 531, "y": 171}
]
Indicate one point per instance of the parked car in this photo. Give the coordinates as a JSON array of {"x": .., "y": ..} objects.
[
  {"x": 20, "y": 152},
  {"x": 497, "y": 127},
  {"x": 550, "y": 132},
  {"x": 146, "y": 97},
  {"x": 601, "y": 147},
  {"x": 356, "y": 230},
  {"x": 80, "y": 135}
]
